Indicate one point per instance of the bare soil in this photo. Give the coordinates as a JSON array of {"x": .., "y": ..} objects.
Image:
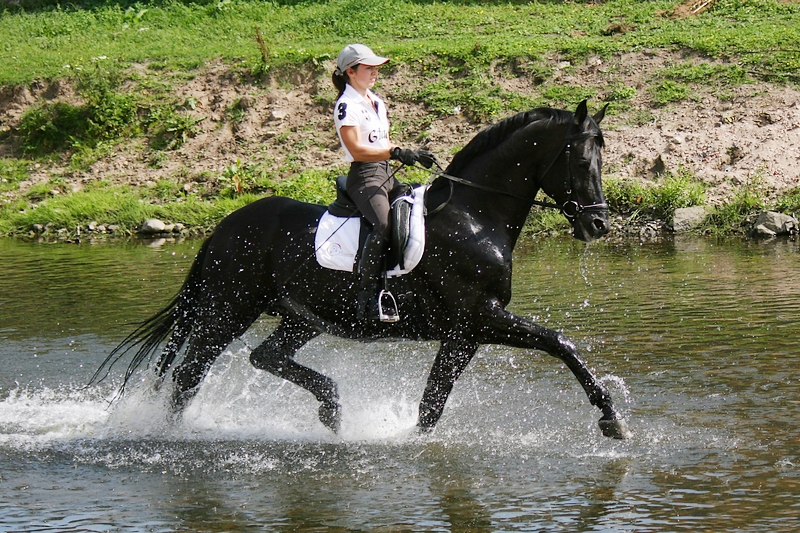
[{"x": 725, "y": 136}]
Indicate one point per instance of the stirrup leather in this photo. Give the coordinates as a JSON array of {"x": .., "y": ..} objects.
[{"x": 388, "y": 313}]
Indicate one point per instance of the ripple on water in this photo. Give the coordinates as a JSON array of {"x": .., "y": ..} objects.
[{"x": 697, "y": 344}]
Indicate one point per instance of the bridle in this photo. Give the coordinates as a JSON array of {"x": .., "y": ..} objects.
[{"x": 570, "y": 209}]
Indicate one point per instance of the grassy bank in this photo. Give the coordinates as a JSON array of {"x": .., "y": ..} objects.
[
  {"x": 48, "y": 42},
  {"x": 124, "y": 60}
]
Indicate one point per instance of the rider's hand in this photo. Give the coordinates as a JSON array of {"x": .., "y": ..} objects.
[
  {"x": 404, "y": 155},
  {"x": 409, "y": 157},
  {"x": 426, "y": 158}
]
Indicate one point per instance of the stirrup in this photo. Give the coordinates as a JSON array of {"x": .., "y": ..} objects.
[{"x": 390, "y": 312}]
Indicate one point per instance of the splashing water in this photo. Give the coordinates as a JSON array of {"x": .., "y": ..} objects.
[{"x": 687, "y": 341}]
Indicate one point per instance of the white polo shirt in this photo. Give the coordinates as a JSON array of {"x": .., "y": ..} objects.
[{"x": 352, "y": 109}]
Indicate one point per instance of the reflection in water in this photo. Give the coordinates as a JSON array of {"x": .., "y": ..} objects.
[
  {"x": 85, "y": 289},
  {"x": 459, "y": 492},
  {"x": 696, "y": 339}
]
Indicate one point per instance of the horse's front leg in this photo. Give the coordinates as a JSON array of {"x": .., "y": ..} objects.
[
  {"x": 453, "y": 357},
  {"x": 512, "y": 330}
]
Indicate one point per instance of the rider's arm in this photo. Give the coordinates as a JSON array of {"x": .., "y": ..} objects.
[{"x": 363, "y": 153}]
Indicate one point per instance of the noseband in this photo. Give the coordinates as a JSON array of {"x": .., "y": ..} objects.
[{"x": 570, "y": 209}]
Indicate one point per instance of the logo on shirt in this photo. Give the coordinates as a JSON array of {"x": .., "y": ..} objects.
[{"x": 377, "y": 135}]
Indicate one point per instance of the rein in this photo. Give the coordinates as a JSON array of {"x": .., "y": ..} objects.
[{"x": 570, "y": 209}]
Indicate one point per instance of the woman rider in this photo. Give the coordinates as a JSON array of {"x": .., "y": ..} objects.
[{"x": 362, "y": 124}]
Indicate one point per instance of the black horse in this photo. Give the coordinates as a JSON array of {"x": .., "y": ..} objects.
[{"x": 260, "y": 260}]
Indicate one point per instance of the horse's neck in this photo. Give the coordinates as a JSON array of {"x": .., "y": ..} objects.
[
  {"x": 503, "y": 213},
  {"x": 506, "y": 185},
  {"x": 506, "y": 177}
]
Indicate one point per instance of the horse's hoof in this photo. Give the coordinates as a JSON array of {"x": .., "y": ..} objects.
[
  {"x": 615, "y": 429},
  {"x": 330, "y": 414}
]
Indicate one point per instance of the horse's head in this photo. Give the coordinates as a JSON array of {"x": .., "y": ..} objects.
[
  {"x": 559, "y": 149},
  {"x": 573, "y": 178}
]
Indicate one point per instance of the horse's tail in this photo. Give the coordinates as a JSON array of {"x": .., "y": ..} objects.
[{"x": 174, "y": 321}]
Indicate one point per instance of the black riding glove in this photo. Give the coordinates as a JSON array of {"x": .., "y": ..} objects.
[
  {"x": 409, "y": 157},
  {"x": 426, "y": 158}
]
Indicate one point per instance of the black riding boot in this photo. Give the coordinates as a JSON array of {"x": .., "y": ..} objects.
[{"x": 369, "y": 271}]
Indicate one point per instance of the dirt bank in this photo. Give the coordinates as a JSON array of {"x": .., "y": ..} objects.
[{"x": 724, "y": 137}]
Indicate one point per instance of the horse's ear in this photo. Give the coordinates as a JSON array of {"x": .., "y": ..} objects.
[
  {"x": 600, "y": 114},
  {"x": 581, "y": 113}
]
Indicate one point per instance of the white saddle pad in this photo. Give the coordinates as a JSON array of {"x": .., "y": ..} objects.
[{"x": 336, "y": 241}]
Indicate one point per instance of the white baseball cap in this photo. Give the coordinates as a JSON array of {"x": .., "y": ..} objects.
[{"x": 358, "y": 54}]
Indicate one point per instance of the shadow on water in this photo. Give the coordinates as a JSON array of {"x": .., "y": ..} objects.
[{"x": 695, "y": 338}]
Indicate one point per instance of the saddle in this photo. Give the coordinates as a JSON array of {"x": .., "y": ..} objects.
[{"x": 401, "y": 199}]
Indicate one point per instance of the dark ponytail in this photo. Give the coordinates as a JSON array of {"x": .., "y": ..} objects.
[{"x": 340, "y": 82}]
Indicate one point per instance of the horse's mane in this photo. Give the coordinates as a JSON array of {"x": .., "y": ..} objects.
[{"x": 496, "y": 134}]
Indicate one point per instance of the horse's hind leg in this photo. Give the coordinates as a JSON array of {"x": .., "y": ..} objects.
[
  {"x": 200, "y": 355},
  {"x": 212, "y": 331},
  {"x": 276, "y": 355}
]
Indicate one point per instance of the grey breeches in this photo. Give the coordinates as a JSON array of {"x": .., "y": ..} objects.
[{"x": 368, "y": 184}]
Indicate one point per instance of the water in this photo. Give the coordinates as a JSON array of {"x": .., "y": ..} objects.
[{"x": 696, "y": 340}]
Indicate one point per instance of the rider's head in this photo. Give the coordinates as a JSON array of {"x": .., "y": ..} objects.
[{"x": 349, "y": 61}]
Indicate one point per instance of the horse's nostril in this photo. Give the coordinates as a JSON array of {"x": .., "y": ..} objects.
[{"x": 600, "y": 225}]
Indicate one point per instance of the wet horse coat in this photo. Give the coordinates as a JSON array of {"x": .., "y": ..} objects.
[{"x": 260, "y": 260}]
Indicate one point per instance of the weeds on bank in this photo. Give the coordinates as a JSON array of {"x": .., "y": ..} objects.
[
  {"x": 12, "y": 172},
  {"x": 104, "y": 205},
  {"x": 314, "y": 186},
  {"x": 658, "y": 199},
  {"x": 789, "y": 202},
  {"x": 107, "y": 114},
  {"x": 167, "y": 199},
  {"x": 748, "y": 198},
  {"x": 108, "y": 204},
  {"x": 545, "y": 221},
  {"x": 48, "y": 204},
  {"x": 169, "y": 128}
]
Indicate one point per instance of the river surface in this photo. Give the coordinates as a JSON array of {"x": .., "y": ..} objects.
[{"x": 696, "y": 339}]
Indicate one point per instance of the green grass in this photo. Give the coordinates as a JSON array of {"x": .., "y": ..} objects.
[
  {"x": 13, "y": 171},
  {"x": 668, "y": 91},
  {"x": 50, "y": 41},
  {"x": 674, "y": 83},
  {"x": 107, "y": 204},
  {"x": 729, "y": 217},
  {"x": 452, "y": 46},
  {"x": 789, "y": 202},
  {"x": 658, "y": 199}
]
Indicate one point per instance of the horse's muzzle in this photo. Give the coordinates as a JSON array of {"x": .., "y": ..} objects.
[{"x": 591, "y": 224}]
